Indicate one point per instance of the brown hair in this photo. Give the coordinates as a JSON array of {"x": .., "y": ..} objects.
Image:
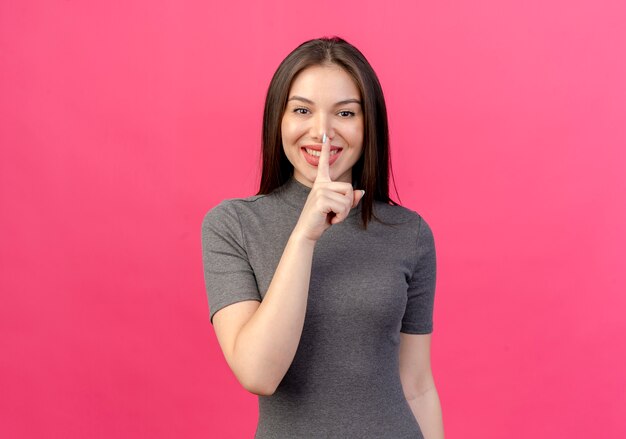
[{"x": 371, "y": 172}]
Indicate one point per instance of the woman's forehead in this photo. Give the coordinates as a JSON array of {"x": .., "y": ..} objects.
[{"x": 323, "y": 82}]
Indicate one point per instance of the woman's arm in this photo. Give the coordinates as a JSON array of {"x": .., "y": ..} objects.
[
  {"x": 259, "y": 340},
  {"x": 427, "y": 411},
  {"x": 418, "y": 383}
]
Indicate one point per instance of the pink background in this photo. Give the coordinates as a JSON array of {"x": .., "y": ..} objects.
[{"x": 122, "y": 123}]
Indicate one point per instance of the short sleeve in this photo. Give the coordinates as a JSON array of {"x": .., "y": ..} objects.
[
  {"x": 228, "y": 276},
  {"x": 418, "y": 316}
]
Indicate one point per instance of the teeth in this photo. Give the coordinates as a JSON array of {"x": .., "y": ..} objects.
[{"x": 318, "y": 153}]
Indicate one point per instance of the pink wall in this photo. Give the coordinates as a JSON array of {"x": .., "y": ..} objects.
[{"x": 122, "y": 123}]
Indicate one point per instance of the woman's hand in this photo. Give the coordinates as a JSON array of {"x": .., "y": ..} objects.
[{"x": 328, "y": 203}]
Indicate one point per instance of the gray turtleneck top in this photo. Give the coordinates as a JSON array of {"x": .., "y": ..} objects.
[{"x": 366, "y": 287}]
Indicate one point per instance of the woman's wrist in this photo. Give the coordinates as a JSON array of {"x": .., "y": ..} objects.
[{"x": 300, "y": 237}]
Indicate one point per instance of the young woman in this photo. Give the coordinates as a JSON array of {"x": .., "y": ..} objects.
[{"x": 321, "y": 288}]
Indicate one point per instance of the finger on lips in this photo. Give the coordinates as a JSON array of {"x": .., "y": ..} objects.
[{"x": 323, "y": 168}]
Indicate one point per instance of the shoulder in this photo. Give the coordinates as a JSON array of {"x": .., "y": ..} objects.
[
  {"x": 397, "y": 214},
  {"x": 225, "y": 216},
  {"x": 229, "y": 208},
  {"x": 403, "y": 217}
]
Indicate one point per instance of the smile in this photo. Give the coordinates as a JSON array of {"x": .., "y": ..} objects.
[
  {"x": 312, "y": 155},
  {"x": 315, "y": 153}
]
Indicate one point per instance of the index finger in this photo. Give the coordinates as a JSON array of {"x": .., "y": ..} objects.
[{"x": 323, "y": 168}]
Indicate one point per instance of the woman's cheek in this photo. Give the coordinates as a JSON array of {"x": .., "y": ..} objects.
[{"x": 290, "y": 131}]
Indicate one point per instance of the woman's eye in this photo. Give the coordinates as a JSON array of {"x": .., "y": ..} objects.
[
  {"x": 346, "y": 113},
  {"x": 300, "y": 110}
]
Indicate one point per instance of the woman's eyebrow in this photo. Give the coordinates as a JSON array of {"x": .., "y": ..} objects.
[
  {"x": 310, "y": 102},
  {"x": 348, "y": 101}
]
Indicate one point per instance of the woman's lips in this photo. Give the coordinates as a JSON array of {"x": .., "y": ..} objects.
[{"x": 315, "y": 160}]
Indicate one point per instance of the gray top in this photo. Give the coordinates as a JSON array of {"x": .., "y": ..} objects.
[{"x": 366, "y": 287}]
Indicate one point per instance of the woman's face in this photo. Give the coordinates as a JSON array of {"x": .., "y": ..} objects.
[{"x": 323, "y": 99}]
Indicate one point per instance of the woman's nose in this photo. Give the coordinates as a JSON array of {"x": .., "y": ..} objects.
[{"x": 321, "y": 125}]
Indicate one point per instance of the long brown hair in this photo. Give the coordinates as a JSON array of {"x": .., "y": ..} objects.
[{"x": 371, "y": 172}]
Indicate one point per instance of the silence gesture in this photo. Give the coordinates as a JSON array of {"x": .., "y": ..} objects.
[{"x": 329, "y": 202}]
